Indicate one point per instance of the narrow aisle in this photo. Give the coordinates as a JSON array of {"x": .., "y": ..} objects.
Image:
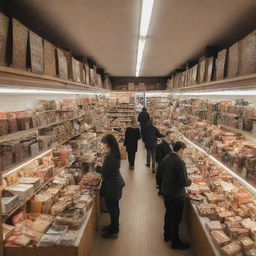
[{"x": 141, "y": 220}]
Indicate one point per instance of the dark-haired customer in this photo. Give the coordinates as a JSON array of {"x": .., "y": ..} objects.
[
  {"x": 112, "y": 184},
  {"x": 174, "y": 179},
  {"x": 132, "y": 135},
  {"x": 143, "y": 119}
]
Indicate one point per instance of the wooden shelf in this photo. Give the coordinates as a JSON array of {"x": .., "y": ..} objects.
[
  {"x": 14, "y": 77},
  {"x": 19, "y": 134},
  {"x": 18, "y": 166},
  {"x": 241, "y": 82}
]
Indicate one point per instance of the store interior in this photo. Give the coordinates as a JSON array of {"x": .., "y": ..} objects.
[{"x": 74, "y": 71}]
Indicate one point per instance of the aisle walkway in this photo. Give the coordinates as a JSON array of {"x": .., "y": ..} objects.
[{"x": 141, "y": 217}]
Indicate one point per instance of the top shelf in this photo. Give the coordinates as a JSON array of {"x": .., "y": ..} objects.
[
  {"x": 241, "y": 82},
  {"x": 15, "y": 77}
]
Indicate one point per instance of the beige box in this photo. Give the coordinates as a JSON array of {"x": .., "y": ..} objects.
[
  {"x": 131, "y": 87},
  {"x": 4, "y": 25},
  {"x": 49, "y": 59}
]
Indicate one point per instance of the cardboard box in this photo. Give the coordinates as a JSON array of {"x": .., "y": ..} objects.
[
  {"x": 42, "y": 203},
  {"x": 131, "y": 87},
  {"x": 221, "y": 64},
  {"x": 19, "y": 44},
  {"x": 4, "y": 25},
  {"x": 232, "y": 61},
  {"x": 247, "y": 55},
  {"x": 9, "y": 203},
  {"x": 49, "y": 59},
  {"x": 36, "y": 53},
  {"x": 62, "y": 66}
]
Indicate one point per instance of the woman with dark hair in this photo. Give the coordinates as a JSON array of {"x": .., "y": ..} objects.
[
  {"x": 132, "y": 135},
  {"x": 112, "y": 184}
]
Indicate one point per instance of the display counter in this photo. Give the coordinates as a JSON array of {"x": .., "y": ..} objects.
[
  {"x": 201, "y": 241},
  {"x": 83, "y": 244}
]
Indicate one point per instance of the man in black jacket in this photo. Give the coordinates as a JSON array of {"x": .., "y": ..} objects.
[
  {"x": 143, "y": 119},
  {"x": 173, "y": 175},
  {"x": 162, "y": 150},
  {"x": 150, "y": 135}
]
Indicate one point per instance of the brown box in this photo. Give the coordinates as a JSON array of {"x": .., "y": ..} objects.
[
  {"x": 4, "y": 24},
  {"x": 62, "y": 68},
  {"x": 130, "y": 86},
  {"x": 232, "y": 61},
  {"x": 209, "y": 69},
  {"x": 194, "y": 75},
  {"x": 19, "y": 44},
  {"x": 202, "y": 70},
  {"x": 3, "y": 127},
  {"x": 36, "y": 53},
  {"x": 49, "y": 59},
  {"x": 247, "y": 54},
  {"x": 87, "y": 74},
  {"x": 41, "y": 205},
  {"x": 75, "y": 70},
  {"x": 220, "y": 64}
]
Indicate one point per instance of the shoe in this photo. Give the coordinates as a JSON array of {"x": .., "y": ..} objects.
[
  {"x": 110, "y": 235},
  {"x": 153, "y": 171},
  {"x": 181, "y": 246},
  {"x": 132, "y": 167},
  {"x": 167, "y": 239},
  {"x": 148, "y": 165},
  {"x": 159, "y": 193},
  {"x": 106, "y": 229}
]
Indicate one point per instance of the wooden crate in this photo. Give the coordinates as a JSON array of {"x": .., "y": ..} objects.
[
  {"x": 4, "y": 25},
  {"x": 36, "y": 53},
  {"x": 232, "y": 61},
  {"x": 49, "y": 59},
  {"x": 19, "y": 45},
  {"x": 247, "y": 56},
  {"x": 62, "y": 68},
  {"x": 221, "y": 64}
]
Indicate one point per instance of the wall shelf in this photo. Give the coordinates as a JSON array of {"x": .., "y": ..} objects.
[
  {"x": 241, "y": 82},
  {"x": 14, "y": 77}
]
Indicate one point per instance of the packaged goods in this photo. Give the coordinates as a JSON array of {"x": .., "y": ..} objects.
[{"x": 232, "y": 249}]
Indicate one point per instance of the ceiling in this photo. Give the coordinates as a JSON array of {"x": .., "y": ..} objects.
[{"x": 107, "y": 30}]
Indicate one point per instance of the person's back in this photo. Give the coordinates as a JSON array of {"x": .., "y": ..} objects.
[
  {"x": 150, "y": 135},
  {"x": 143, "y": 118},
  {"x": 173, "y": 176}
]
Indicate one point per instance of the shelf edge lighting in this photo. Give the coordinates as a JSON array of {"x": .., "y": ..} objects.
[
  {"x": 146, "y": 12},
  {"x": 251, "y": 92},
  {"x": 241, "y": 180},
  {"x": 42, "y": 91}
]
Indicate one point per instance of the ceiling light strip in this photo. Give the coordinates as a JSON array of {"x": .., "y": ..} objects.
[{"x": 146, "y": 12}]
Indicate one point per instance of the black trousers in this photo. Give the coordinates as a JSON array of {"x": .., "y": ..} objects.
[
  {"x": 114, "y": 211},
  {"x": 173, "y": 216},
  {"x": 131, "y": 157},
  {"x": 151, "y": 154}
]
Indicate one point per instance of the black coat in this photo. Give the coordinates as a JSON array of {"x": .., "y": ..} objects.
[
  {"x": 162, "y": 150},
  {"x": 113, "y": 183},
  {"x": 143, "y": 118},
  {"x": 150, "y": 135},
  {"x": 132, "y": 135},
  {"x": 172, "y": 176}
]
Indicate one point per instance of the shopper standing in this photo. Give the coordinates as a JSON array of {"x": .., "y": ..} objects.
[
  {"x": 112, "y": 184},
  {"x": 150, "y": 135},
  {"x": 143, "y": 119},
  {"x": 174, "y": 179},
  {"x": 132, "y": 135},
  {"x": 162, "y": 150}
]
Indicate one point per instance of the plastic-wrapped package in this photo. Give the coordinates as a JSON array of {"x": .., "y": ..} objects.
[
  {"x": 48, "y": 240},
  {"x": 57, "y": 230},
  {"x": 68, "y": 239}
]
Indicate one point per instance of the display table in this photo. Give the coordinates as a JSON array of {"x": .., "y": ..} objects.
[
  {"x": 201, "y": 240},
  {"x": 83, "y": 244}
]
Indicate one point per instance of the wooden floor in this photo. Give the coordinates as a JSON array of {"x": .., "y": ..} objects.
[{"x": 141, "y": 221}]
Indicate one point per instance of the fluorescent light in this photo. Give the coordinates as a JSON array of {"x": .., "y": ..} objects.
[
  {"x": 42, "y": 91},
  {"x": 147, "y": 7},
  {"x": 146, "y": 12}
]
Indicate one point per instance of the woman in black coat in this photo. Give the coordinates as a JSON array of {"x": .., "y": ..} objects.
[
  {"x": 132, "y": 135},
  {"x": 112, "y": 184}
]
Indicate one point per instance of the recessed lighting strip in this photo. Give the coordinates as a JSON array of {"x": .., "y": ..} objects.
[{"x": 146, "y": 12}]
